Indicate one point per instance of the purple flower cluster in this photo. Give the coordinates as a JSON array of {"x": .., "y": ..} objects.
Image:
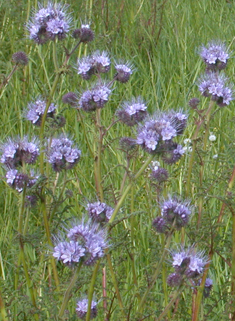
[
  {"x": 175, "y": 213},
  {"x": 215, "y": 55},
  {"x": 87, "y": 242},
  {"x": 158, "y": 132},
  {"x": 214, "y": 86},
  {"x": 49, "y": 23},
  {"x": 85, "y": 34},
  {"x": 94, "y": 64},
  {"x": 123, "y": 72},
  {"x": 19, "y": 151},
  {"x": 19, "y": 180},
  {"x": 36, "y": 109},
  {"x": 188, "y": 264},
  {"x": 82, "y": 307},
  {"x": 61, "y": 155},
  {"x": 132, "y": 112},
  {"x": 95, "y": 98},
  {"x": 99, "y": 212}
]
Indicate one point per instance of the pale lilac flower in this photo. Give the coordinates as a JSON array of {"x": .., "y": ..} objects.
[
  {"x": 124, "y": 71},
  {"x": 61, "y": 155},
  {"x": 188, "y": 262},
  {"x": 36, "y": 109},
  {"x": 132, "y": 112},
  {"x": 99, "y": 212},
  {"x": 19, "y": 151},
  {"x": 90, "y": 100},
  {"x": 101, "y": 61},
  {"x": 215, "y": 55},
  {"x": 68, "y": 252},
  {"x": 214, "y": 86},
  {"x": 91, "y": 237},
  {"x": 82, "y": 307},
  {"x": 85, "y": 67},
  {"x": 49, "y": 23}
]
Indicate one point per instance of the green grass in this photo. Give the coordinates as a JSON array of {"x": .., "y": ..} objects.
[{"x": 161, "y": 39}]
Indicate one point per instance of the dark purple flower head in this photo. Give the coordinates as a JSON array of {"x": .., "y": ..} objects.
[
  {"x": 95, "y": 98},
  {"x": 61, "y": 155},
  {"x": 49, "y": 23},
  {"x": 19, "y": 151},
  {"x": 189, "y": 262},
  {"x": 70, "y": 98},
  {"x": 160, "y": 225},
  {"x": 82, "y": 307},
  {"x": 174, "y": 279},
  {"x": 36, "y": 109},
  {"x": 215, "y": 55},
  {"x": 91, "y": 237},
  {"x": 124, "y": 71},
  {"x": 172, "y": 152},
  {"x": 99, "y": 212},
  {"x": 215, "y": 86},
  {"x": 159, "y": 174},
  {"x": 132, "y": 112},
  {"x": 20, "y": 58},
  {"x": 85, "y": 34},
  {"x": 127, "y": 144},
  {"x": 176, "y": 211}
]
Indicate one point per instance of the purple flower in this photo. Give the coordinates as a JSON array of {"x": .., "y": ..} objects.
[
  {"x": 82, "y": 307},
  {"x": 172, "y": 152},
  {"x": 215, "y": 55},
  {"x": 85, "y": 34},
  {"x": 68, "y": 252},
  {"x": 20, "y": 58},
  {"x": 61, "y": 155},
  {"x": 132, "y": 112},
  {"x": 214, "y": 86},
  {"x": 49, "y": 23},
  {"x": 124, "y": 71},
  {"x": 90, "y": 100},
  {"x": 19, "y": 151},
  {"x": 95, "y": 64},
  {"x": 175, "y": 211},
  {"x": 85, "y": 67},
  {"x": 156, "y": 135},
  {"x": 91, "y": 237},
  {"x": 99, "y": 212},
  {"x": 36, "y": 109},
  {"x": 20, "y": 180},
  {"x": 188, "y": 262}
]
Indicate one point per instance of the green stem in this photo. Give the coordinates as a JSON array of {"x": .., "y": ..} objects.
[
  {"x": 98, "y": 176},
  {"x": 91, "y": 290},
  {"x": 233, "y": 265},
  {"x": 172, "y": 301},
  {"x": 68, "y": 291},
  {"x": 3, "y": 310},
  {"x": 115, "y": 283},
  {"x": 155, "y": 276},
  {"x": 136, "y": 176}
]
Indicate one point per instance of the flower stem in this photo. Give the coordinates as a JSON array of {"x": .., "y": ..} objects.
[
  {"x": 91, "y": 290},
  {"x": 136, "y": 176},
  {"x": 68, "y": 291}
]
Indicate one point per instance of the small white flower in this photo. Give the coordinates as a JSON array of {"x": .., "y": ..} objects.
[
  {"x": 212, "y": 138},
  {"x": 187, "y": 141},
  {"x": 215, "y": 156}
]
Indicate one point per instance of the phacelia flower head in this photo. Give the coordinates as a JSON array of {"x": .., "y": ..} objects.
[
  {"x": 36, "y": 109},
  {"x": 95, "y": 98},
  {"x": 99, "y": 212},
  {"x": 159, "y": 174},
  {"x": 156, "y": 135},
  {"x": 172, "y": 152},
  {"x": 20, "y": 58},
  {"x": 189, "y": 262},
  {"x": 48, "y": 23},
  {"x": 85, "y": 34},
  {"x": 18, "y": 180},
  {"x": 215, "y": 86},
  {"x": 70, "y": 98},
  {"x": 176, "y": 211},
  {"x": 215, "y": 55},
  {"x": 132, "y": 112},
  {"x": 123, "y": 71},
  {"x": 19, "y": 151},
  {"x": 68, "y": 252},
  {"x": 82, "y": 307},
  {"x": 61, "y": 155}
]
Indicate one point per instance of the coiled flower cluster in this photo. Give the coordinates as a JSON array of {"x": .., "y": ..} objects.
[
  {"x": 87, "y": 242},
  {"x": 49, "y": 23},
  {"x": 157, "y": 134},
  {"x": 99, "y": 212}
]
